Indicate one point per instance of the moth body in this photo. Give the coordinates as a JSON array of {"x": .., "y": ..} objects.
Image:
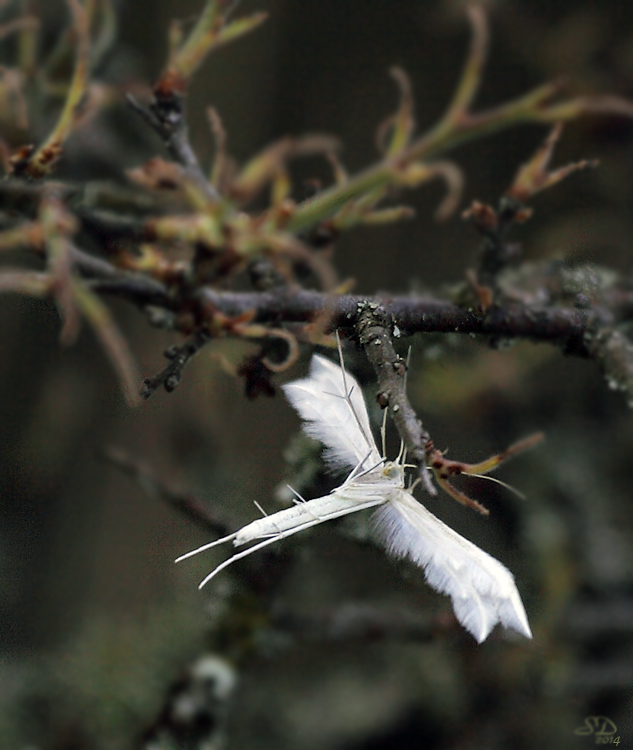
[
  {"x": 331, "y": 404},
  {"x": 356, "y": 494}
]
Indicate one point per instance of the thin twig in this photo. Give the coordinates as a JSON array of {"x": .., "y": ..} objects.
[
  {"x": 23, "y": 196},
  {"x": 495, "y": 253},
  {"x": 180, "y": 356},
  {"x": 185, "y": 503},
  {"x": 374, "y": 332},
  {"x": 40, "y": 162},
  {"x": 92, "y": 267},
  {"x": 166, "y": 118},
  {"x": 136, "y": 288},
  {"x": 560, "y": 325}
]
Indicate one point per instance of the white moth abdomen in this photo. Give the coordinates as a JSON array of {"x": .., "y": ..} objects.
[{"x": 346, "y": 499}]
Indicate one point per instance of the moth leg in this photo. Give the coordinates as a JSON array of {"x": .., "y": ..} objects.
[
  {"x": 353, "y": 475},
  {"x": 299, "y": 498},
  {"x": 206, "y": 547},
  {"x": 260, "y": 509},
  {"x": 383, "y": 433}
]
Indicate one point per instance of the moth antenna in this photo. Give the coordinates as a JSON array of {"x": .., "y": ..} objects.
[
  {"x": 347, "y": 398},
  {"x": 341, "y": 360},
  {"x": 503, "y": 484},
  {"x": 383, "y": 433},
  {"x": 206, "y": 547},
  {"x": 340, "y": 348},
  {"x": 260, "y": 509}
]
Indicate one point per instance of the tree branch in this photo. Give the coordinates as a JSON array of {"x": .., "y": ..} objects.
[
  {"x": 559, "y": 325},
  {"x": 374, "y": 332},
  {"x": 563, "y": 326}
]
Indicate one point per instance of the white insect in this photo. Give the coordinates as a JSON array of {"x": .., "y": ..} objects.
[{"x": 331, "y": 404}]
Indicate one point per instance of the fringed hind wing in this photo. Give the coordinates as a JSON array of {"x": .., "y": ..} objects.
[
  {"x": 482, "y": 590},
  {"x": 333, "y": 409}
]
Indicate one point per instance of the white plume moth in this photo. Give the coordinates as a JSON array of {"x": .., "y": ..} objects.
[{"x": 331, "y": 404}]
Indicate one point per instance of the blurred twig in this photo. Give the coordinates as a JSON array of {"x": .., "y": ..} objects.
[
  {"x": 185, "y": 503},
  {"x": 40, "y": 162},
  {"x": 411, "y": 164},
  {"x": 179, "y": 357}
]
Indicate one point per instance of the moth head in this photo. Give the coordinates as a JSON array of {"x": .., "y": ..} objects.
[{"x": 394, "y": 472}]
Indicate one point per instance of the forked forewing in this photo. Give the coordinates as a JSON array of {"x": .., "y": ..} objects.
[
  {"x": 331, "y": 404},
  {"x": 481, "y": 588}
]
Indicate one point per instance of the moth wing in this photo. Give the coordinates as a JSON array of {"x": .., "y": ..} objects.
[
  {"x": 482, "y": 590},
  {"x": 332, "y": 406}
]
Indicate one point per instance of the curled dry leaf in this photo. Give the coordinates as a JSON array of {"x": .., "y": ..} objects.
[{"x": 533, "y": 176}]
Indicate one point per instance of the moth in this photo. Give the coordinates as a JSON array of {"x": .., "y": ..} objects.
[{"x": 330, "y": 402}]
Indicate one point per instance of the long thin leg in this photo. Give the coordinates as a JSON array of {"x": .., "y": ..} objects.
[
  {"x": 206, "y": 547},
  {"x": 354, "y": 475},
  {"x": 260, "y": 509},
  {"x": 371, "y": 468},
  {"x": 298, "y": 499}
]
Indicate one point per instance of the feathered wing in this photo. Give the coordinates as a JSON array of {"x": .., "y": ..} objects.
[
  {"x": 331, "y": 404},
  {"x": 481, "y": 588}
]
